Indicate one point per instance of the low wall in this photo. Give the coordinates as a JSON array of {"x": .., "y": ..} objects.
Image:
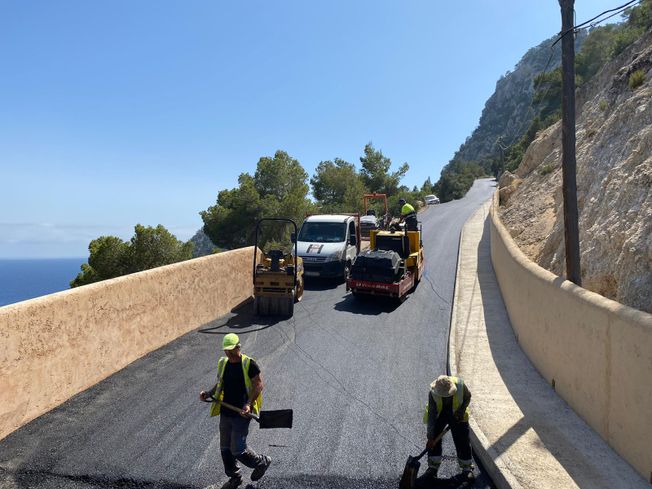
[
  {"x": 58, "y": 345},
  {"x": 596, "y": 353}
]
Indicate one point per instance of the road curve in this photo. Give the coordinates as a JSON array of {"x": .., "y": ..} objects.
[{"x": 355, "y": 373}]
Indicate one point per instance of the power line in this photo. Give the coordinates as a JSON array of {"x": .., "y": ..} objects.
[
  {"x": 616, "y": 10},
  {"x": 583, "y": 25},
  {"x": 612, "y": 15},
  {"x": 622, "y": 7}
]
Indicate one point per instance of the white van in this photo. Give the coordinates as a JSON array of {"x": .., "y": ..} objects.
[
  {"x": 431, "y": 199},
  {"x": 328, "y": 244}
]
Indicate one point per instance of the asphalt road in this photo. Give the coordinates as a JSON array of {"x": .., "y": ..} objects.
[{"x": 354, "y": 372}]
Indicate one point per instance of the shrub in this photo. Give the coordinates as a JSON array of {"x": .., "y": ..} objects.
[
  {"x": 603, "y": 105},
  {"x": 636, "y": 79},
  {"x": 622, "y": 39},
  {"x": 546, "y": 169}
]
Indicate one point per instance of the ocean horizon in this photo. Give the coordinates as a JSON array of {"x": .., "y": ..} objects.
[{"x": 27, "y": 278}]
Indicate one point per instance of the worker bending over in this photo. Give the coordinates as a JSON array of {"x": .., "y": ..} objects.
[
  {"x": 448, "y": 404},
  {"x": 238, "y": 383},
  {"x": 409, "y": 215}
]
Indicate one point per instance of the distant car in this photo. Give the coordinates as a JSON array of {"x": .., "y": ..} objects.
[{"x": 431, "y": 199}]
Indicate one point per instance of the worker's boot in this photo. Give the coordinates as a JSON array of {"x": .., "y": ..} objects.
[
  {"x": 260, "y": 470},
  {"x": 426, "y": 479},
  {"x": 233, "y": 482},
  {"x": 468, "y": 474}
]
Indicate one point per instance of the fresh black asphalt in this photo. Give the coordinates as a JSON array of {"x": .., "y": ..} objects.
[{"x": 356, "y": 374}]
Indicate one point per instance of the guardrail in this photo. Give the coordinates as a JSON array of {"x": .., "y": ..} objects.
[
  {"x": 58, "y": 345},
  {"x": 595, "y": 352}
]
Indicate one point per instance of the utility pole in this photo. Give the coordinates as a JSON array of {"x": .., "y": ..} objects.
[{"x": 569, "y": 186}]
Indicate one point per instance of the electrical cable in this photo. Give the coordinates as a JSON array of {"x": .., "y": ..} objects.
[
  {"x": 609, "y": 17},
  {"x": 623, "y": 7},
  {"x": 584, "y": 25},
  {"x": 577, "y": 27}
]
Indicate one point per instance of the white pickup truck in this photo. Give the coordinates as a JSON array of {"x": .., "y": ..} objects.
[{"x": 328, "y": 244}]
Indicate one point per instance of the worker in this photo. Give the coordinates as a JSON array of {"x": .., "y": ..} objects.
[
  {"x": 408, "y": 214},
  {"x": 448, "y": 404},
  {"x": 240, "y": 384}
]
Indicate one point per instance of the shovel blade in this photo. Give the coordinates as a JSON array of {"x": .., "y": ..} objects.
[
  {"x": 409, "y": 478},
  {"x": 281, "y": 418}
]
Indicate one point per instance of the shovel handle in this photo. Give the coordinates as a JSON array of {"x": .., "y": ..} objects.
[
  {"x": 439, "y": 437},
  {"x": 233, "y": 408}
]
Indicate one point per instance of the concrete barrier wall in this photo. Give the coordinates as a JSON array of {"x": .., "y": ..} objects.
[
  {"x": 58, "y": 345},
  {"x": 596, "y": 352}
]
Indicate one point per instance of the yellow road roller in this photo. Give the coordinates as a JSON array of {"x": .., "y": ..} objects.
[{"x": 278, "y": 276}]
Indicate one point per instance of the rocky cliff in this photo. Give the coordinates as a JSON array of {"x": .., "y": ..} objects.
[
  {"x": 202, "y": 245},
  {"x": 614, "y": 182},
  {"x": 508, "y": 112}
]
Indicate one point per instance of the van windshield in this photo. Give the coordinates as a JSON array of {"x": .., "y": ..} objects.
[{"x": 323, "y": 232}]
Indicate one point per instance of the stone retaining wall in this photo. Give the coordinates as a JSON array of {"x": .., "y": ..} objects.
[
  {"x": 596, "y": 353},
  {"x": 58, "y": 345}
]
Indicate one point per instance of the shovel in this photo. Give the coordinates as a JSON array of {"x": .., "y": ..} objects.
[
  {"x": 280, "y": 418},
  {"x": 409, "y": 478}
]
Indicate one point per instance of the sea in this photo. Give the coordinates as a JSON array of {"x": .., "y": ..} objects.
[{"x": 23, "y": 279}]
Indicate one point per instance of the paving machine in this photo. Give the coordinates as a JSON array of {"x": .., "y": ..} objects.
[
  {"x": 278, "y": 277},
  {"x": 392, "y": 266}
]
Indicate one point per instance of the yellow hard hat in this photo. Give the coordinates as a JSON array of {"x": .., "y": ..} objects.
[{"x": 230, "y": 341}]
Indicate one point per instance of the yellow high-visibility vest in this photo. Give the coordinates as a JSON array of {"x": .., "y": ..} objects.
[
  {"x": 219, "y": 392},
  {"x": 458, "y": 400},
  {"x": 406, "y": 209}
]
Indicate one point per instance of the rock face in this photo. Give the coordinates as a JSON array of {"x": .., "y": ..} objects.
[
  {"x": 507, "y": 112},
  {"x": 202, "y": 244},
  {"x": 614, "y": 183},
  {"x": 508, "y": 184}
]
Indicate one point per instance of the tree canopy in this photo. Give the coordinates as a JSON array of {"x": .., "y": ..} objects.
[
  {"x": 337, "y": 186},
  {"x": 427, "y": 186},
  {"x": 150, "y": 247},
  {"x": 375, "y": 171},
  {"x": 277, "y": 189},
  {"x": 456, "y": 179}
]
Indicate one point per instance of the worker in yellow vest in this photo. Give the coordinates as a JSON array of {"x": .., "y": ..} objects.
[
  {"x": 409, "y": 215},
  {"x": 240, "y": 384},
  {"x": 448, "y": 404}
]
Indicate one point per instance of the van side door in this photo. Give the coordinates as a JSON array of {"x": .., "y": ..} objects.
[{"x": 351, "y": 249}]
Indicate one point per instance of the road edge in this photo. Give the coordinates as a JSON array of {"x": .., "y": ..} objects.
[{"x": 492, "y": 461}]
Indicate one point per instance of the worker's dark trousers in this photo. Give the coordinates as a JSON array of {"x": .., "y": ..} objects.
[
  {"x": 411, "y": 223},
  {"x": 233, "y": 445},
  {"x": 462, "y": 440}
]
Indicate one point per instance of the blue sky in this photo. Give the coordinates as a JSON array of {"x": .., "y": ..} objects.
[{"x": 114, "y": 113}]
